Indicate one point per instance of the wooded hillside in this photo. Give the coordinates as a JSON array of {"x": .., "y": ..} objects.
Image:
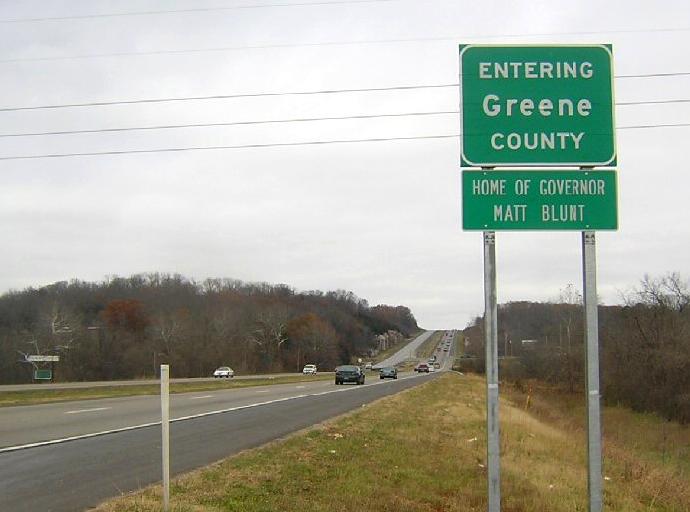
[
  {"x": 644, "y": 344},
  {"x": 124, "y": 327}
]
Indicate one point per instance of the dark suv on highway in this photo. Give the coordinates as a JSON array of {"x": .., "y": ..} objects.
[
  {"x": 349, "y": 373},
  {"x": 389, "y": 372}
]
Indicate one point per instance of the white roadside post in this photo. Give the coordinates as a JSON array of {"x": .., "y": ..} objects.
[{"x": 165, "y": 431}]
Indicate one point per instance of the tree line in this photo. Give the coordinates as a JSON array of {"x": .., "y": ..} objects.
[
  {"x": 644, "y": 345},
  {"x": 124, "y": 328}
]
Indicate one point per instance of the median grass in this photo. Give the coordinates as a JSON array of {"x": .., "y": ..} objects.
[
  {"x": 44, "y": 396},
  {"x": 424, "y": 450}
]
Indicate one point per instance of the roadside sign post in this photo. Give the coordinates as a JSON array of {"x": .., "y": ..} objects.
[
  {"x": 165, "y": 431},
  {"x": 539, "y": 106},
  {"x": 589, "y": 286},
  {"x": 491, "y": 344}
]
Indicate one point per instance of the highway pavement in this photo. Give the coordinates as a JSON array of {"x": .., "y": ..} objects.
[
  {"x": 36, "y": 423},
  {"x": 75, "y": 475},
  {"x": 70, "y": 456}
]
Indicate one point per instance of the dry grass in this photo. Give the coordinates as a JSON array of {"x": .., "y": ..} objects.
[{"x": 424, "y": 450}]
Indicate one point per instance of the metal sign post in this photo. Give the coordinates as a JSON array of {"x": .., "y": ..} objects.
[
  {"x": 493, "y": 456},
  {"x": 589, "y": 278},
  {"x": 165, "y": 431}
]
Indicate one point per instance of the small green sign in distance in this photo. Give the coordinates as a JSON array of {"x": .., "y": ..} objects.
[
  {"x": 510, "y": 200},
  {"x": 43, "y": 374},
  {"x": 532, "y": 105}
]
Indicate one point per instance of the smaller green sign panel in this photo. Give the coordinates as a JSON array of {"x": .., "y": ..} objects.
[
  {"x": 43, "y": 374},
  {"x": 539, "y": 200}
]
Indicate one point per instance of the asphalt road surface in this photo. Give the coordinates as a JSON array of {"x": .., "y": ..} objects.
[
  {"x": 75, "y": 475},
  {"x": 70, "y": 456}
]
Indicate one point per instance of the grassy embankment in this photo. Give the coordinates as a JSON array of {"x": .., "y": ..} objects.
[
  {"x": 424, "y": 450},
  {"x": 43, "y": 396}
]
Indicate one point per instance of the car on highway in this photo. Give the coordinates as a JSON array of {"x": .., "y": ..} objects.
[
  {"x": 389, "y": 372},
  {"x": 422, "y": 368},
  {"x": 437, "y": 365},
  {"x": 431, "y": 368},
  {"x": 368, "y": 366},
  {"x": 349, "y": 373},
  {"x": 309, "y": 369},
  {"x": 224, "y": 372}
]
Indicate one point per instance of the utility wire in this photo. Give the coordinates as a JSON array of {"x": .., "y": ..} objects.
[
  {"x": 276, "y": 145},
  {"x": 189, "y": 11},
  {"x": 240, "y": 146},
  {"x": 227, "y": 96},
  {"x": 268, "y": 46},
  {"x": 233, "y": 123},
  {"x": 266, "y": 121},
  {"x": 284, "y": 93}
]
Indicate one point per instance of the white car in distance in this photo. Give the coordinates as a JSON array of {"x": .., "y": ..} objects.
[
  {"x": 309, "y": 369},
  {"x": 224, "y": 372}
]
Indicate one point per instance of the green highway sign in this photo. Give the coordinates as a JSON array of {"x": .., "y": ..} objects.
[
  {"x": 539, "y": 200},
  {"x": 43, "y": 374},
  {"x": 533, "y": 105}
]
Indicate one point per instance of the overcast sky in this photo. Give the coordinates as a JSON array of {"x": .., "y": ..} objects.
[{"x": 380, "y": 218}]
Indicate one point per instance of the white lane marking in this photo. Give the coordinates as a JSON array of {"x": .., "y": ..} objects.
[
  {"x": 300, "y": 387},
  {"x": 184, "y": 418},
  {"x": 79, "y": 411},
  {"x": 198, "y": 397},
  {"x": 264, "y": 391}
]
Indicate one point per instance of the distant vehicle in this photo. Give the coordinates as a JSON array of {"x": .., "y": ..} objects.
[
  {"x": 224, "y": 372},
  {"x": 445, "y": 349},
  {"x": 368, "y": 366},
  {"x": 432, "y": 359},
  {"x": 422, "y": 368},
  {"x": 389, "y": 372},
  {"x": 431, "y": 368},
  {"x": 309, "y": 369},
  {"x": 349, "y": 373},
  {"x": 437, "y": 365}
]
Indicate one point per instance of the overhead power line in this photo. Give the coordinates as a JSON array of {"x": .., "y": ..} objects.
[
  {"x": 226, "y": 96},
  {"x": 268, "y": 46},
  {"x": 232, "y": 123},
  {"x": 190, "y": 11},
  {"x": 282, "y": 93},
  {"x": 240, "y": 146},
  {"x": 263, "y": 121},
  {"x": 276, "y": 144}
]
